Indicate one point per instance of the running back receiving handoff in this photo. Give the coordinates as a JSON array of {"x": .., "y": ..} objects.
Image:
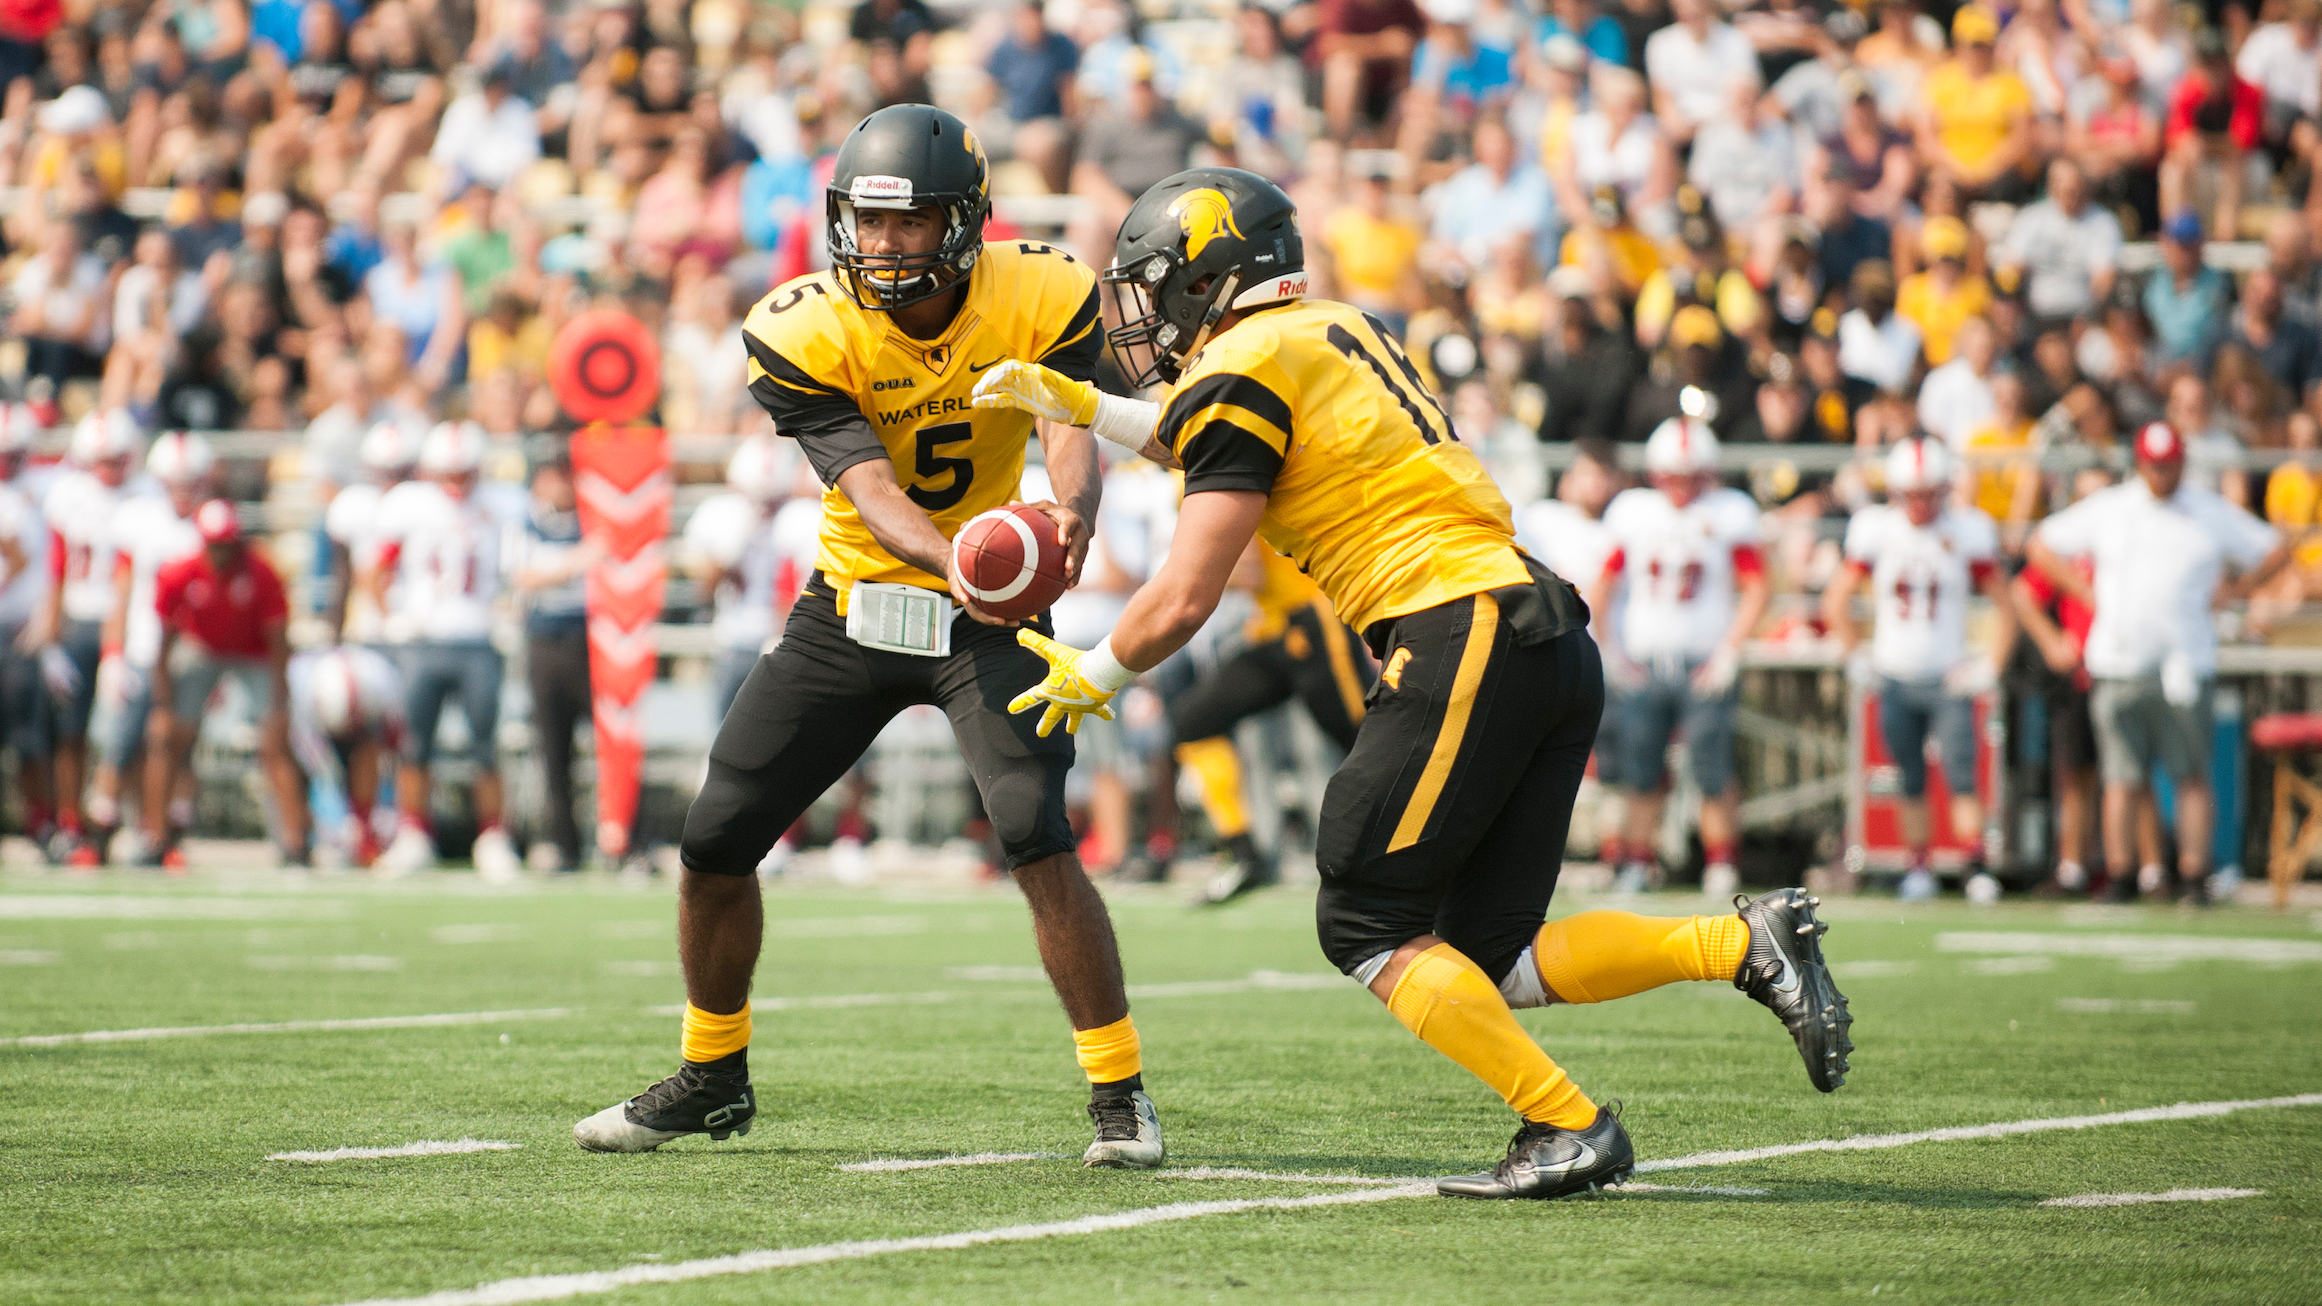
[{"x": 1302, "y": 422}]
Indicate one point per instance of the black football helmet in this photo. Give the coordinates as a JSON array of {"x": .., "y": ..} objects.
[
  {"x": 908, "y": 156},
  {"x": 1193, "y": 248}
]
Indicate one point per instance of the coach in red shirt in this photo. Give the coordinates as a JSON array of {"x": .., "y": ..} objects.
[{"x": 224, "y": 615}]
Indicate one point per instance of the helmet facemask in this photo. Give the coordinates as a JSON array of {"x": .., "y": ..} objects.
[
  {"x": 1149, "y": 346},
  {"x": 884, "y": 282}
]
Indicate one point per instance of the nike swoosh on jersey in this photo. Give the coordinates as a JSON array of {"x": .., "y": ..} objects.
[{"x": 978, "y": 367}]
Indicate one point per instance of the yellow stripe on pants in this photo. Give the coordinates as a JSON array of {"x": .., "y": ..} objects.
[
  {"x": 1350, "y": 689},
  {"x": 1473, "y": 658}
]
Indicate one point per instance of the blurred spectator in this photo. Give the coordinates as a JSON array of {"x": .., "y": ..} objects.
[
  {"x": 2283, "y": 59},
  {"x": 1614, "y": 142},
  {"x": 1876, "y": 158},
  {"x": 490, "y": 134},
  {"x": 1461, "y": 74},
  {"x": 1847, "y": 237},
  {"x": 422, "y": 302},
  {"x": 2000, "y": 476},
  {"x": 1130, "y": 146},
  {"x": 1875, "y": 343},
  {"x": 1260, "y": 97},
  {"x": 1956, "y": 398},
  {"x": 1364, "y": 50},
  {"x": 1976, "y": 116},
  {"x": 1745, "y": 159},
  {"x": 1584, "y": 22},
  {"x": 1941, "y": 299},
  {"x": 2215, "y": 120},
  {"x": 1372, "y": 249},
  {"x": 2290, "y": 257},
  {"x": 1693, "y": 64},
  {"x": 1491, "y": 199},
  {"x": 1695, "y": 377},
  {"x": 60, "y": 306},
  {"x": 1609, "y": 247},
  {"x": 2186, "y": 300},
  {"x": 2063, "y": 246},
  {"x": 2117, "y": 143},
  {"x": 2214, "y": 459},
  {"x": 1589, "y": 369},
  {"x": 2289, "y": 350},
  {"x": 1699, "y": 274}
]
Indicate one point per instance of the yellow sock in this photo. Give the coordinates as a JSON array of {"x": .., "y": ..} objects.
[
  {"x": 1600, "y": 955},
  {"x": 1109, "y": 1053},
  {"x": 1219, "y": 768},
  {"x": 709, "y": 1036},
  {"x": 1454, "y": 1008}
]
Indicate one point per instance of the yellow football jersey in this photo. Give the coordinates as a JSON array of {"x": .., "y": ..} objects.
[
  {"x": 1369, "y": 491},
  {"x": 1283, "y": 590},
  {"x": 850, "y": 386}
]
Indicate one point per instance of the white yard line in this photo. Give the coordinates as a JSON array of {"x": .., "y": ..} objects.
[
  {"x": 931, "y": 1163},
  {"x": 1270, "y": 1176},
  {"x": 2140, "y": 1199},
  {"x": 2004, "y": 1129},
  {"x": 408, "y": 1149},
  {"x": 288, "y": 1027},
  {"x": 558, "y": 1287},
  {"x": 1706, "y": 1189}
]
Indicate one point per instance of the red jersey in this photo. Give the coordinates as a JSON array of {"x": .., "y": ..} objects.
[
  {"x": 227, "y": 614},
  {"x": 2071, "y": 615}
]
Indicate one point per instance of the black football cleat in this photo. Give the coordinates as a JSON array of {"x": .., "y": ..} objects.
[
  {"x": 1784, "y": 969},
  {"x": 1128, "y": 1134},
  {"x": 1245, "y": 870},
  {"x": 1545, "y": 1162},
  {"x": 695, "y": 1100}
]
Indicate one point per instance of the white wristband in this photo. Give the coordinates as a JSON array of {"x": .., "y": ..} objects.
[
  {"x": 1128, "y": 423},
  {"x": 1100, "y": 668}
]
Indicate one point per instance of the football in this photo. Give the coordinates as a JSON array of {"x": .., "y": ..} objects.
[{"x": 1009, "y": 561}]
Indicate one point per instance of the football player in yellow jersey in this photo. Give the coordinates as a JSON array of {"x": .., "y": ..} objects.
[
  {"x": 1302, "y": 421},
  {"x": 870, "y": 367},
  {"x": 1296, "y": 646}
]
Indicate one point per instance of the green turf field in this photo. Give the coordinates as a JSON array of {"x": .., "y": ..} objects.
[{"x": 136, "y": 1170}]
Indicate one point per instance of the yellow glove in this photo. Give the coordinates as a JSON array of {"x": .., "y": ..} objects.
[
  {"x": 1079, "y": 684},
  {"x": 1040, "y": 391}
]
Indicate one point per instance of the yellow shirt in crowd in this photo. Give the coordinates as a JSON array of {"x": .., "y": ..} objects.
[
  {"x": 1999, "y": 459},
  {"x": 1939, "y": 314},
  {"x": 1372, "y": 255},
  {"x": 1973, "y": 115}
]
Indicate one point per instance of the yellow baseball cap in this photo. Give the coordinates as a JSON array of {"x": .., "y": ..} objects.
[
  {"x": 1974, "y": 25},
  {"x": 1695, "y": 325},
  {"x": 1944, "y": 237}
]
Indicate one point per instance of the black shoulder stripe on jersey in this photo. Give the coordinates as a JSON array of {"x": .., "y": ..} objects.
[
  {"x": 828, "y": 426},
  {"x": 785, "y": 371},
  {"x": 1223, "y": 455},
  {"x": 1222, "y": 388},
  {"x": 1078, "y": 346}
]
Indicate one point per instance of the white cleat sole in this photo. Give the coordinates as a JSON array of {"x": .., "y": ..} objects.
[
  {"x": 610, "y": 1130},
  {"x": 1139, "y": 1155}
]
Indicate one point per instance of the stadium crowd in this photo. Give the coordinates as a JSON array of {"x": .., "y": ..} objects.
[{"x": 2024, "y": 232}]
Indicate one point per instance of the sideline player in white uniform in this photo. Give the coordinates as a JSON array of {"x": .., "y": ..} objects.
[
  {"x": 24, "y": 588},
  {"x": 1923, "y": 559},
  {"x": 730, "y": 544},
  {"x": 79, "y": 507},
  {"x": 1567, "y": 532},
  {"x": 437, "y": 579},
  {"x": 351, "y": 522},
  {"x": 148, "y": 534},
  {"x": 346, "y": 723},
  {"x": 1686, "y": 569}
]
